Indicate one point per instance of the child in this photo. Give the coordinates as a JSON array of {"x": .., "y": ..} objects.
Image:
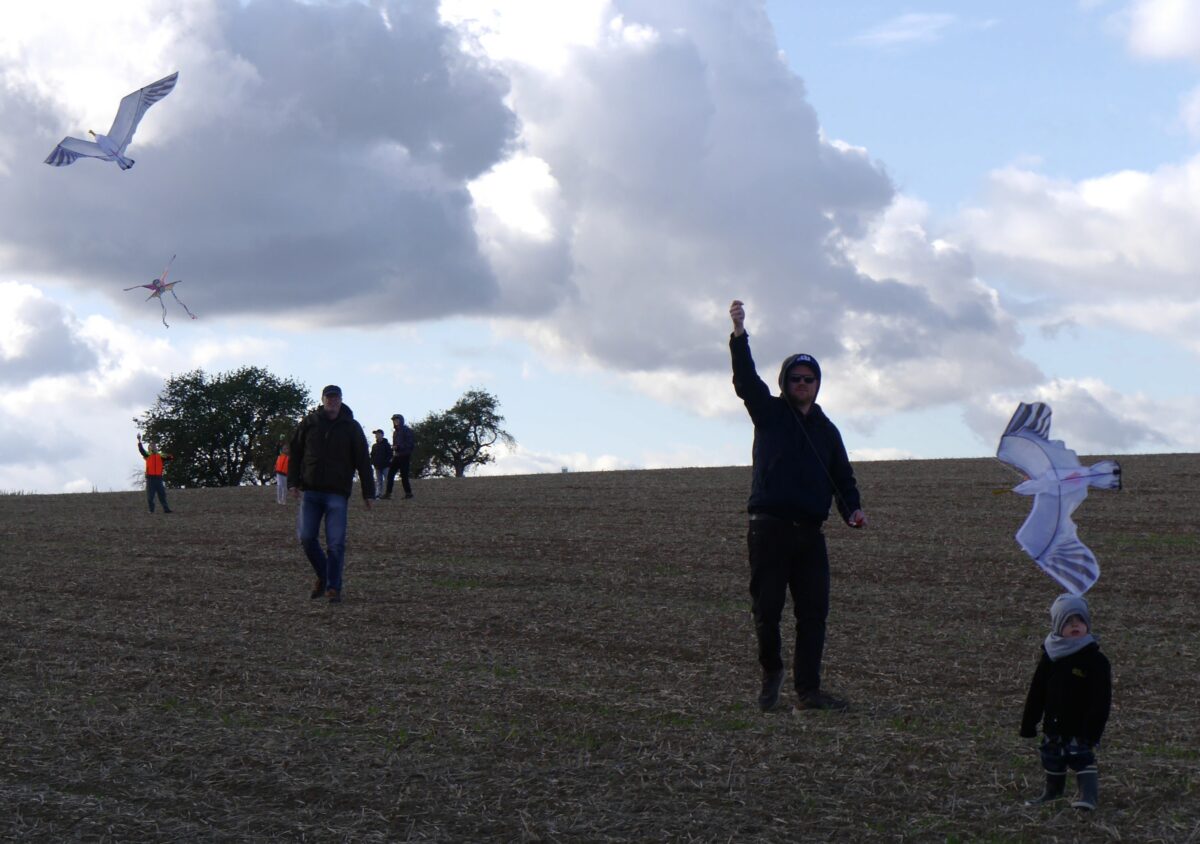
[
  {"x": 1072, "y": 689},
  {"x": 281, "y": 473}
]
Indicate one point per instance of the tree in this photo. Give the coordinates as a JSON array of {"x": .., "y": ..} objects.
[
  {"x": 451, "y": 442},
  {"x": 223, "y": 430}
]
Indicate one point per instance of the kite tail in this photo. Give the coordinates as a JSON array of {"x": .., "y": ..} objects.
[{"x": 185, "y": 307}]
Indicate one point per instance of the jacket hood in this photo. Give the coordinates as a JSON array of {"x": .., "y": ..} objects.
[{"x": 799, "y": 360}]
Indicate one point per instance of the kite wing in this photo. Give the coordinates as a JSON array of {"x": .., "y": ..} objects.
[
  {"x": 71, "y": 149},
  {"x": 133, "y": 107},
  {"x": 1058, "y": 483}
]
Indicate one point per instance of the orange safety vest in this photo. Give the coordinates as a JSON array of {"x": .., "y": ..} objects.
[
  {"x": 154, "y": 464},
  {"x": 281, "y": 464}
]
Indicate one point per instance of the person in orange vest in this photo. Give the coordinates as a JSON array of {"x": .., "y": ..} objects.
[
  {"x": 154, "y": 474},
  {"x": 281, "y": 473}
]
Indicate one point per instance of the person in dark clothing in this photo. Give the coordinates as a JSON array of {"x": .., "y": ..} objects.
[
  {"x": 327, "y": 447},
  {"x": 155, "y": 463},
  {"x": 800, "y": 469},
  {"x": 1071, "y": 694},
  {"x": 403, "y": 443},
  {"x": 381, "y": 458}
]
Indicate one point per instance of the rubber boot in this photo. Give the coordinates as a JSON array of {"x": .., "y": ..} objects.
[
  {"x": 1089, "y": 790},
  {"x": 1055, "y": 785}
]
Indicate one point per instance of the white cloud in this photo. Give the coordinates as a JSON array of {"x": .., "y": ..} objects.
[
  {"x": 1092, "y": 417},
  {"x": 297, "y": 175},
  {"x": 522, "y": 461},
  {"x": 81, "y": 411},
  {"x": 540, "y": 33},
  {"x": 38, "y": 337},
  {"x": 1164, "y": 29},
  {"x": 1120, "y": 249},
  {"x": 688, "y": 170},
  {"x": 906, "y": 29}
]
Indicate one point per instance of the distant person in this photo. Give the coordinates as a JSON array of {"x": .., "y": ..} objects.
[
  {"x": 381, "y": 458},
  {"x": 800, "y": 464},
  {"x": 155, "y": 463},
  {"x": 281, "y": 474},
  {"x": 403, "y": 443},
  {"x": 1070, "y": 694},
  {"x": 327, "y": 448}
]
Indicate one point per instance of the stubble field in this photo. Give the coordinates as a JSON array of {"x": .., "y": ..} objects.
[{"x": 570, "y": 658}]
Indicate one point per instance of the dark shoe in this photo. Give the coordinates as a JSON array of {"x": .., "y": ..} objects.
[
  {"x": 1089, "y": 791},
  {"x": 386, "y": 497},
  {"x": 768, "y": 698},
  {"x": 335, "y": 597},
  {"x": 409, "y": 495},
  {"x": 1055, "y": 784},
  {"x": 166, "y": 510},
  {"x": 820, "y": 700},
  {"x": 318, "y": 589}
]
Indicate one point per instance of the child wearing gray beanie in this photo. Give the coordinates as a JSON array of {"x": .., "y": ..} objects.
[{"x": 1070, "y": 694}]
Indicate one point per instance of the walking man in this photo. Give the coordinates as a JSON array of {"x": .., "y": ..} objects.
[
  {"x": 154, "y": 474},
  {"x": 403, "y": 443},
  {"x": 327, "y": 448},
  {"x": 800, "y": 469}
]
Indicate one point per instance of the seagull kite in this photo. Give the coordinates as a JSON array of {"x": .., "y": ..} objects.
[
  {"x": 1058, "y": 483},
  {"x": 158, "y": 287},
  {"x": 111, "y": 147}
]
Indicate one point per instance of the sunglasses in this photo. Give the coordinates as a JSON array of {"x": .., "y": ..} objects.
[{"x": 807, "y": 379}]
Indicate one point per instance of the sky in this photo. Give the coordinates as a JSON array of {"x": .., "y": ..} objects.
[{"x": 954, "y": 207}]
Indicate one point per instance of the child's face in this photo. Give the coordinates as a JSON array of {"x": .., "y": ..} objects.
[{"x": 1074, "y": 628}]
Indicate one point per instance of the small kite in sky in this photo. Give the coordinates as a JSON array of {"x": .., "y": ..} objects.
[
  {"x": 111, "y": 147},
  {"x": 1058, "y": 483},
  {"x": 158, "y": 287}
]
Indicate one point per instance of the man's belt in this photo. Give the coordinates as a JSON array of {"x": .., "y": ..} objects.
[{"x": 813, "y": 524}]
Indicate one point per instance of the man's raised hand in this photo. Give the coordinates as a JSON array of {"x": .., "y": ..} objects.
[{"x": 737, "y": 313}]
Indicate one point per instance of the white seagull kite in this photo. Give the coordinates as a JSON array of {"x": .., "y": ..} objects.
[
  {"x": 1058, "y": 483},
  {"x": 111, "y": 147}
]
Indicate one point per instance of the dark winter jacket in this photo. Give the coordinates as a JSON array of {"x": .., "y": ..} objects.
[
  {"x": 381, "y": 453},
  {"x": 326, "y": 452},
  {"x": 404, "y": 441},
  {"x": 799, "y": 459},
  {"x": 1073, "y": 693}
]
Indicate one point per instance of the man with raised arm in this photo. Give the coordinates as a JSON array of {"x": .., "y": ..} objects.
[{"x": 800, "y": 470}]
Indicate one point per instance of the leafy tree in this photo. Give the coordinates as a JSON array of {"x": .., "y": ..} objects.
[
  {"x": 224, "y": 430},
  {"x": 451, "y": 442}
]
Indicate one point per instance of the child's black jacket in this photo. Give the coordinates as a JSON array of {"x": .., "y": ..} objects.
[{"x": 1074, "y": 694}]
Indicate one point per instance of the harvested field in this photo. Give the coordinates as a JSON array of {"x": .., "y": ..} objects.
[{"x": 570, "y": 658}]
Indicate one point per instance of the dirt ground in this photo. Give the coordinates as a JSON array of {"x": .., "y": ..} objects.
[{"x": 570, "y": 658}]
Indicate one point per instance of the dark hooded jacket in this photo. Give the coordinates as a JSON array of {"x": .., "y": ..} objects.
[
  {"x": 325, "y": 453},
  {"x": 1070, "y": 696},
  {"x": 381, "y": 453},
  {"x": 799, "y": 459}
]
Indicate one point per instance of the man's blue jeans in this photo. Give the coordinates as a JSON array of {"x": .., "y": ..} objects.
[
  {"x": 333, "y": 508},
  {"x": 156, "y": 487}
]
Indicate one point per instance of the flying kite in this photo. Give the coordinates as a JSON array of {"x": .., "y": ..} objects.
[
  {"x": 1058, "y": 483},
  {"x": 111, "y": 147},
  {"x": 158, "y": 287}
]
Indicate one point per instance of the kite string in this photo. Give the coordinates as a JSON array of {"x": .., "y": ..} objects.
[{"x": 832, "y": 483}]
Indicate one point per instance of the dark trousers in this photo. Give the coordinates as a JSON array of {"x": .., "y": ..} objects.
[
  {"x": 155, "y": 486},
  {"x": 401, "y": 463},
  {"x": 1059, "y": 754},
  {"x": 783, "y": 557}
]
